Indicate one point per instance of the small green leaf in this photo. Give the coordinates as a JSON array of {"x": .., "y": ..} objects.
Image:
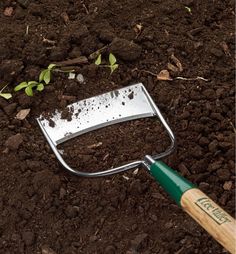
[
  {"x": 99, "y": 60},
  {"x": 6, "y": 96},
  {"x": 41, "y": 76},
  {"x": 29, "y": 91},
  {"x": 47, "y": 76},
  {"x": 51, "y": 66},
  {"x": 21, "y": 86},
  {"x": 112, "y": 59},
  {"x": 114, "y": 67},
  {"x": 40, "y": 87},
  {"x": 32, "y": 83}
]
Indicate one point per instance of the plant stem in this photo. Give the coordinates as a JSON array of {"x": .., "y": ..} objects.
[
  {"x": 63, "y": 71},
  {"x": 153, "y": 74},
  {"x": 3, "y": 88}
]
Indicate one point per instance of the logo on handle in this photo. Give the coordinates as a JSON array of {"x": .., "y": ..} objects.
[{"x": 214, "y": 211}]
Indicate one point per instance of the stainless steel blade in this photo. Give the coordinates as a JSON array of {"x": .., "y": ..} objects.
[{"x": 117, "y": 106}]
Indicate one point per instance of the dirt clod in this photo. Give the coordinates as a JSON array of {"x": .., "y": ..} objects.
[
  {"x": 106, "y": 35},
  {"x": 9, "y": 109},
  {"x": 3, "y": 102},
  {"x": 223, "y": 174},
  {"x": 139, "y": 241},
  {"x": 216, "y": 52},
  {"x": 28, "y": 237},
  {"x": 10, "y": 69},
  {"x": 66, "y": 114},
  {"x": 124, "y": 49},
  {"x": 71, "y": 211},
  {"x": 14, "y": 142},
  {"x": 111, "y": 249},
  {"x": 24, "y": 100},
  {"x": 45, "y": 182},
  {"x": 213, "y": 146}
]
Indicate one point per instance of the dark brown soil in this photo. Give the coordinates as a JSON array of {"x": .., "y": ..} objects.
[
  {"x": 116, "y": 145},
  {"x": 44, "y": 209}
]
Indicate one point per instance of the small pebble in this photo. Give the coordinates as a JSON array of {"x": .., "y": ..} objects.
[
  {"x": 80, "y": 78},
  {"x": 71, "y": 75},
  {"x": 227, "y": 185}
]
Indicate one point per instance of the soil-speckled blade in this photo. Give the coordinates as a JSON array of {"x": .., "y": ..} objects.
[{"x": 117, "y": 106}]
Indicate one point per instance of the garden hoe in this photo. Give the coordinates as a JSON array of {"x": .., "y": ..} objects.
[{"x": 130, "y": 103}]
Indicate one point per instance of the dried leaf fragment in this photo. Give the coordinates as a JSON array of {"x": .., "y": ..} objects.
[
  {"x": 225, "y": 48},
  {"x": 95, "y": 145},
  {"x": 45, "y": 40},
  {"x": 177, "y": 62},
  {"x": 227, "y": 185},
  {"x": 65, "y": 17},
  {"x": 164, "y": 75},
  {"x": 172, "y": 67},
  {"x": 138, "y": 28},
  {"x": 22, "y": 114},
  {"x": 135, "y": 172},
  {"x": 126, "y": 177},
  {"x": 8, "y": 11},
  {"x": 47, "y": 250}
]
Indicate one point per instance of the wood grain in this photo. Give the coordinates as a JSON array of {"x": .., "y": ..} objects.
[{"x": 211, "y": 217}]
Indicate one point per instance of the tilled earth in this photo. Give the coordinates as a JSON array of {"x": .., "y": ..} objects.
[{"x": 44, "y": 209}]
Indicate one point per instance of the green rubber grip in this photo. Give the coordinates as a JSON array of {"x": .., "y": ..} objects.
[{"x": 173, "y": 183}]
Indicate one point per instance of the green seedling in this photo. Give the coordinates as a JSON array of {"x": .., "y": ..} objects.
[
  {"x": 44, "y": 79},
  {"x": 112, "y": 62},
  {"x": 99, "y": 60},
  {"x": 188, "y": 9},
  {"x": 6, "y": 96},
  {"x": 28, "y": 86},
  {"x": 46, "y": 74}
]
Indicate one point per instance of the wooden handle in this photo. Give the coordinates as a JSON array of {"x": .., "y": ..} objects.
[
  {"x": 200, "y": 207},
  {"x": 211, "y": 217}
]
